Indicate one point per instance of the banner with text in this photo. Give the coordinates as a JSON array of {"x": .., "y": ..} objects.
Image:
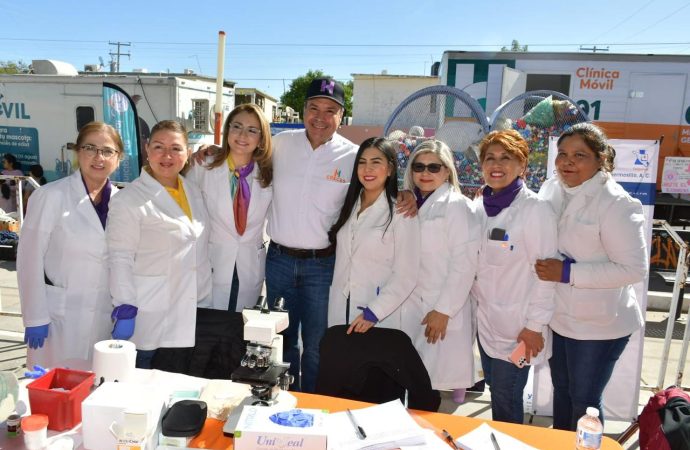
[
  {"x": 22, "y": 142},
  {"x": 120, "y": 112}
]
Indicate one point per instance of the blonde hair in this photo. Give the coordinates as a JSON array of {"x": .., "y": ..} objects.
[{"x": 441, "y": 150}]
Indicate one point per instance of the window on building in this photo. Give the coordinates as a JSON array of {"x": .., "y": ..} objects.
[
  {"x": 200, "y": 114},
  {"x": 85, "y": 114},
  {"x": 539, "y": 82},
  {"x": 241, "y": 99}
]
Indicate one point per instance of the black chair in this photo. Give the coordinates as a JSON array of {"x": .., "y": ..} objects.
[
  {"x": 377, "y": 366},
  {"x": 218, "y": 349}
]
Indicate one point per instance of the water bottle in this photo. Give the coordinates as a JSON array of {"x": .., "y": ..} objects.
[{"x": 589, "y": 431}]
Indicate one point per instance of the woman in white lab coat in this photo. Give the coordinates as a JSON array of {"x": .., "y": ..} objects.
[
  {"x": 438, "y": 314},
  {"x": 236, "y": 186},
  {"x": 513, "y": 305},
  {"x": 61, "y": 268},
  {"x": 377, "y": 251},
  {"x": 158, "y": 250},
  {"x": 603, "y": 253}
]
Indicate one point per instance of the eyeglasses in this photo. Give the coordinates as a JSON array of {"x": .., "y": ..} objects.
[
  {"x": 92, "y": 151},
  {"x": 238, "y": 128},
  {"x": 432, "y": 168}
]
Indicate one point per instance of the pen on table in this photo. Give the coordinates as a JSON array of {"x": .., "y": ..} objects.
[
  {"x": 449, "y": 438},
  {"x": 495, "y": 442},
  {"x": 359, "y": 430}
]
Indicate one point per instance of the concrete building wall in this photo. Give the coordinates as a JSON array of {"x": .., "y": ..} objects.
[{"x": 376, "y": 96}]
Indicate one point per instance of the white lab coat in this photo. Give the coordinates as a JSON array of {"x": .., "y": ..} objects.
[
  {"x": 602, "y": 228},
  {"x": 508, "y": 292},
  {"x": 158, "y": 261},
  {"x": 226, "y": 247},
  {"x": 373, "y": 268},
  {"x": 450, "y": 232},
  {"x": 62, "y": 238}
]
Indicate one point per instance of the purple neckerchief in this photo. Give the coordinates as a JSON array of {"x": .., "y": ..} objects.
[
  {"x": 419, "y": 197},
  {"x": 102, "y": 206},
  {"x": 494, "y": 204}
]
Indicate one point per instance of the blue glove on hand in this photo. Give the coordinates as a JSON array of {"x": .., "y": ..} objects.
[
  {"x": 123, "y": 329},
  {"x": 123, "y": 316},
  {"x": 38, "y": 372},
  {"x": 35, "y": 336}
]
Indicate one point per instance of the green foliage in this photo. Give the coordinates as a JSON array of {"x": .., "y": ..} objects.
[
  {"x": 514, "y": 47},
  {"x": 296, "y": 94},
  {"x": 347, "y": 88},
  {"x": 12, "y": 67}
]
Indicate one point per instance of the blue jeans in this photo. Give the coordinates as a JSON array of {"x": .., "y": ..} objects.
[
  {"x": 304, "y": 284},
  {"x": 506, "y": 382},
  {"x": 144, "y": 359},
  {"x": 580, "y": 370}
]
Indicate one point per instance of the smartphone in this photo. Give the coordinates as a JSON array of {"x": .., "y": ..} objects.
[
  {"x": 497, "y": 234},
  {"x": 519, "y": 356}
]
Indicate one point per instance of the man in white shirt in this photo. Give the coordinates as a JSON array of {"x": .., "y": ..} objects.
[{"x": 311, "y": 174}]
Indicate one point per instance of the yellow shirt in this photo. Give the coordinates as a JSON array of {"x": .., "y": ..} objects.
[
  {"x": 180, "y": 198},
  {"x": 177, "y": 194}
]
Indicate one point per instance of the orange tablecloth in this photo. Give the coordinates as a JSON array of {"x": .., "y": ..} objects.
[{"x": 212, "y": 437}]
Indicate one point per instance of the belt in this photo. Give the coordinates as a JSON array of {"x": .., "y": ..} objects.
[{"x": 303, "y": 253}]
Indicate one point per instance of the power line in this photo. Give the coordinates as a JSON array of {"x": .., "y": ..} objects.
[
  {"x": 624, "y": 20},
  {"x": 298, "y": 44},
  {"x": 659, "y": 21},
  {"x": 118, "y": 53}
]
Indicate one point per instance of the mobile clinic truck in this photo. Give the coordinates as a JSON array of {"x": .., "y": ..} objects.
[
  {"x": 41, "y": 113},
  {"x": 630, "y": 96}
]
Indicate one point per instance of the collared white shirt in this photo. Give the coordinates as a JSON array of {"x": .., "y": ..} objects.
[{"x": 309, "y": 187}]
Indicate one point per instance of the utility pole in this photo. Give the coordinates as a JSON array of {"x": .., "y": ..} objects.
[
  {"x": 594, "y": 49},
  {"x": 118, "y": 53}
]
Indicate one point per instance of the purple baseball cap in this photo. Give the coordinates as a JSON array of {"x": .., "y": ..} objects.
[{"x": 327, "y": 88}]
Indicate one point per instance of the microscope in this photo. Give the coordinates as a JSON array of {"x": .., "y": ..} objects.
[{"x": 262, "y": 366}]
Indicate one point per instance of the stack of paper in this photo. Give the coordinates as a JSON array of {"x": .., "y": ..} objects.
[
  {"x": 480, "y": 439},
  {"x": 386, "y": 426}
]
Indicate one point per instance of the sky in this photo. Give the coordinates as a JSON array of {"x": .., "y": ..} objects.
[{"x": 269, "y": 43}]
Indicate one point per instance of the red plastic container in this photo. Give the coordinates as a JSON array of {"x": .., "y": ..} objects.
[{"x": 63, "y": 408}]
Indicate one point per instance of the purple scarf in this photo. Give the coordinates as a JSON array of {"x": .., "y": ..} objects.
[
  {"x": 102, "y": 206},
  {"x": 241, "y": 196},
  {"x": 494, "y": 204},
  {"x": 419, "y": 197}
]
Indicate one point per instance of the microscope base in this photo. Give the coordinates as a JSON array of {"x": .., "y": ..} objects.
[{"x": 284, "y": 400}]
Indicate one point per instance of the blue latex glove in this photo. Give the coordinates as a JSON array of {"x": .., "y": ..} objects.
[
  {"x": 38, "y": 372},
  {"x": 35, "y": 336},
  {"x": 123, "y": 316},
  {"x": 123, "y": 329}
]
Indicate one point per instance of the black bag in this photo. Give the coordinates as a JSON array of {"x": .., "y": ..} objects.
[{"x": 665, "y": 421}]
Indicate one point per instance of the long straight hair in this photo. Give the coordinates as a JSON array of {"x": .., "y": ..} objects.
[
  {"x": 386, "y": 147},
  {"x": 263, "y": 153}
]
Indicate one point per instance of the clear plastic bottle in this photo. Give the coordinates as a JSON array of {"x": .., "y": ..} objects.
[{"x": 589, "y": 431}]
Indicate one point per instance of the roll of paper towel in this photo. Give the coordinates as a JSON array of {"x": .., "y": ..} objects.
[{"x": 113, "y": 360}]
